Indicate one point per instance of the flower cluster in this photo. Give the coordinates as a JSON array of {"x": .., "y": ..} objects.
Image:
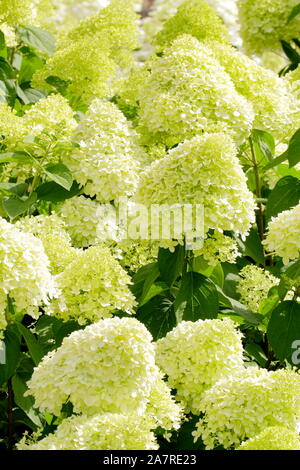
[
  {"x": 218, "y": 248},
  {"x": 254, "y": 285},
  {"x": 24, "y": 275},
  {"x": 92, "y": 286},
  {"x": 273, "y": 438},
  {"x": 243, "y": 405},
  {"x": 283, "y": 234},
  {"x": 26, "y": 12},
  {"x": 195, "y": 355},
  {"x": 203, "y": 170},
  {"x": 263, "y": 23},
  {"x": 107, "y": 431},
  {"x": 193, "y": 17},
  {"x": 106, "y": 162},
  {"x": 56, "y": 241},
  {"x": 191, "y": 103}
]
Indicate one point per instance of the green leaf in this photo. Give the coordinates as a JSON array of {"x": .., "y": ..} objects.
[
  {"x": 238, "y": 308},
  {"x": 16, "y": 157},
  {"x": 217, "y": 276},
  {"x": 6, "y": 70},
  {"x": 294, "y": 149},
  {"x": 37, "y": 38},
  {"x": 256, "y": 352},
  {"x": 60, "y": 174},
  {"x": 197, "y": 298},
  {"x": 170, "y": 263},
  {"x": 33, "y": 96},
  {"x": 35, "y": 350},
  {"x": 60, "y": 85},
  {"x": 12, "y": 353},
  {"x": 254, "y": 248},
  {"x": 158, "y": 316},
  {"x": 264, "y": 145},
  {"x": 25, "y": 403},
  {"x": 285, "y": 195},
  {"x": 295, "y": 12},
  {"x": 292, "y": 270},
  {"x": 290, "y": 52},
  {"x": 14, "y": 206},
  {"x": 143, "y": 280},
  {"x": 30, "y": 64},
  {"x": 284, "y": 330},
  {"x": 53, "y": 192},
  {"x": 276, "y": 161},
  {"x": 18, "y": 189}
]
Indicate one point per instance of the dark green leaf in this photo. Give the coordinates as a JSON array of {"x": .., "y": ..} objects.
[
  {"x": 53, "y": 192},
  {"x": 290, "y": 52},
  {"x": 238, "y": 308},
  {"x": 295, "y": 12},
  {"x": 30, "y": 64},
  {"x": 35, "y": 350},
  {"x": 158, "y": 315},
  {"x": 60, "y": 174},
  {"x": 254, "y": 248},
  {"x": 170, "y": 263},
  {"x": 217, "y": 276},
  {"x": 294, "y": 149},
  {"x": 256, "y": 352},
  {"x": 276, "y": 161},
  {"x": 143, "y": 280},
  {"x": 197, "y": 298},
  {"x": 284, "y": 331},
  {"x": 12, "y": 355},
  {"x": 6, "y": 70},
  {"x": 37, "y": 38},
  {"x": 60, "y": 85},
  {"x": 18, "y": 189},
  {"x": 285, "y": 195},
  {"x": 25, "y": 403},
  {"x": 14, "y": 206}
]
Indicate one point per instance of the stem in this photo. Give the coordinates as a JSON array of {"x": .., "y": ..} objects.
[
  {"x": 10, "y": 420},
  {"x": 260, "y": 216}
]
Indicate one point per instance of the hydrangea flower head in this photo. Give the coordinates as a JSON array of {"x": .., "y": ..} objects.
[
  {"x": 284, "y": 234},
  {"x": 24, "y": 273},
  {"x": 273, "y": 438},
  {"x": 254, "y": 285},
  {"x": 218, "y": 248},
  {"x": 194, "y": 17},
  {"x": 191, "y": 103},
  {"x": 263, "y": 23},
  {"x": 106, "y": 162},
  {"x": 243, "y": 405},
  {"x": 107, "y": 431},
  {"x": 107, "y": 367},
  {"x": 203, "y": 170},
  {"x": 194, "y": 355}
]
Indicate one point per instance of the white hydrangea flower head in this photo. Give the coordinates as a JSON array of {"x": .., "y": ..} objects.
[
  {"x": 218, "y": 248},
  {"x": 88, "y": 222},
  {"x": 254, "y": 285},
  {"x": 194, "y": 17},
  {"x": 191, "y": 103},
  {"x": 273, "y": 438},
  {"x": 24, "y": 275},
  {"x": 203, "y": 170},
  {"x": 274, "y": 105},
  {"x": 133, "y": 254},
  {"x": 12, "y": 128},
  {"x": 106, "y": 163},
  {"x": 51, "y": 115},
  {"x": 107, "y": 431},
  {"x": 263, "y": 23},
  {"x": 51, "y": 230},
  {"x": 194, "y": 355},
  {"x": 243, "y": 405},
  {"x": 107, "y": 367},
  {"x": 92, "y": 286},
  {"x": 284, "y": 234}
]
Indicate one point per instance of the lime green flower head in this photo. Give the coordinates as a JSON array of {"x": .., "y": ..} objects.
[
  {"x": 203, "y": 170},
  {"x": 195, "y": 95},
  {"x": 263, "y": 23},
  {"x": 107, "y": 367},
  {"x": 26, "y": 12},
  {"x": 273, "y": 438},
  {"x": 194, "y": 355},
  {"x": 24, "y": 274},
  {"x": 194, "y": 17},
  {"x": 218, "y": 248},
  {"x": 283, "y": 236},
  {"x": 243, "y": 405},
  {"x": 106, "y": 162},
  {"x": 254, "y": 285},
  {"x": 276, "y": 110},
  {"x": 51, "y": 230},
  {"x": 13, "y": 129},
  {"x": 107, "y": 431},
  {"x": 92, "y": 285}
]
